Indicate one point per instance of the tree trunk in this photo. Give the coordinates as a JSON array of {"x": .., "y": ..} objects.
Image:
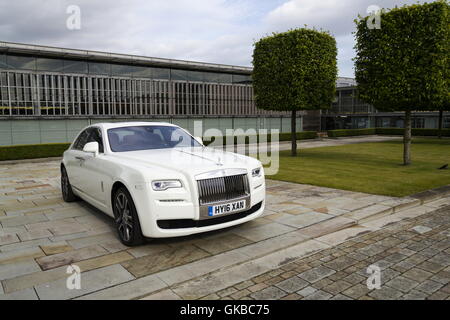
[
  {"x": 441, "y": 119},
  {"x": 294, "y": 133},
  {"x": 407, "y": 139}
]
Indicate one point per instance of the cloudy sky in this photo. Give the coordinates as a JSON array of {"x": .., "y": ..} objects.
[{"x": 219, "y": 31}]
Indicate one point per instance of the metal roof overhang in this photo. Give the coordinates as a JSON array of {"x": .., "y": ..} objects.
[{"x": 99, "y": 56}]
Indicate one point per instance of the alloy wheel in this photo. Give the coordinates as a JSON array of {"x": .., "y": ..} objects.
[{"x": 124, "y": 218}]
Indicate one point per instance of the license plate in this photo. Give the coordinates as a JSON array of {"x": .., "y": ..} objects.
[{"x": 226, "y": 208}]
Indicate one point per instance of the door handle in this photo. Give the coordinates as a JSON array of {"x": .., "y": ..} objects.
[{"x": 80, "y": 158}]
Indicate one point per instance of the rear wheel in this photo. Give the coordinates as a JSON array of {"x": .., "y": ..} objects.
[
  {"x": 66, "y": 188},
  {"x": 127, "y": 220}
]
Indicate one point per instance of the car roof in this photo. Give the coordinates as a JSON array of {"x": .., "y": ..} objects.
[{"x": 111, "y": 125}]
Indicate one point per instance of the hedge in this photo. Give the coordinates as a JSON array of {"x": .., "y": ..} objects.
[
  {"x": 304, "y": 135},
  {"x": 33, "y": 151},
  {"x": 57, "y": 149},
  {"x": 415, "y": 132},
  {"x": 350, "y": 132},
  {"x": 386, "y": 131}
]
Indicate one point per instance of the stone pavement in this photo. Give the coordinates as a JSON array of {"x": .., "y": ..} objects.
[
  {"x": 40, "y": 236},
  {"x": 413, "y": 255}
]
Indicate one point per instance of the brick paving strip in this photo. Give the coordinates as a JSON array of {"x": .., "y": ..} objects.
[{"x": 40, "y": 235}]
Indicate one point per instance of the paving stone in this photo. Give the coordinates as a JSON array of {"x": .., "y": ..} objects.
[
  {"x": 33, "y": 235},
  {"x": 327, "y": 226},
  {"x": 305, "y": 219},
  {"x": 257, "y": 287},
  {"x": 20, "y": 221},
  {"x": 93, "y": 240},
  {"x": 372, "y": 250},
  {"x": 438, "y": 296},
  {"x": 91, "y": 281},
  {"x": 316, "y": 274},
  {"x": 240, "y": 294},
  {"x": 354, "y": 278},
  {"x": 429, "y": 286},
  {"x": 415, "y": 295},
  {"x": 27, "y": 294},
  {"x": 243, "y": 285},
  {"x": 292, "y": 296},
  {"x": 385, "y": 293},
  {"x": 12, "y": 270},
  {"x": 56, "y": 248},
  {"x": 319, "y": 295},
  {"x": 431, "y": 267},
  {"x": 337, "y": 287},
  {"x": 369, "y": 212},
  {"x": 341, "y": 236},
  {"x": 163, "y": 295},
  {"x": 306, "y": 291},
  {"x": 223, "y": 243},
  {"x": 441, "y": 259},
  {"x": 164, "y": 260},
  {"x": 43, "y": 277},
  {"x": 442, "y": 277},
  {"x": 292, "y": 284},
  {"x": 340, "y": 263},
  {"x": 403, "y": 284},
  {"x": 130, "y": 290},
  {"x": 417, "y": 274},
  {"x": 20, "y": 255},
  {"x": 70, "y": 257},
  {"x": 228, "y": 291},
  {"x": 264, "y": 232},
  {"x": 270, "y": 293},
  {"x": 356, "y": 291},
  {"x": 64, "y": 213},
  {"x": 340, "y": 297},
  {"x": 421, "y": 229},
  {"x": 8, "y": 239}
]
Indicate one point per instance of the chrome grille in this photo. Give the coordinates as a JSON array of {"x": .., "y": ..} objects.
[{"x": 223, "y": 188}]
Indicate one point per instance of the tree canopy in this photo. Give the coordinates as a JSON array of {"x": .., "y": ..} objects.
[
  {"x": 404, "y": 64},
  {"x": 295, "y": 70}
]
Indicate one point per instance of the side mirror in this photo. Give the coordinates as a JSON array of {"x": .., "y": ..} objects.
[
  {"x": 91, "y": 147},
  {"x": 199, "y": 140}
]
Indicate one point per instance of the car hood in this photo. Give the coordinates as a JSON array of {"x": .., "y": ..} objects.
[{"x": 189, "y": 161}]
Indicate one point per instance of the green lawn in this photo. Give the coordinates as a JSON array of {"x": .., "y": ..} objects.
[{"x": 370, "y": 167}]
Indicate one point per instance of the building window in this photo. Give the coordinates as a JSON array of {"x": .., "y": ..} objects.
[
  {"x": 418, "y": 123},
  {"x": 99, "y": 68},
  {"x": 21, "y": 62},
  {"x": 44, "y": 64}
]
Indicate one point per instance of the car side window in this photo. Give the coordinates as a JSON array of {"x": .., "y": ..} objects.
[
  {"x": 96, "y": 136},
  {"x": 81, "y": 140}
]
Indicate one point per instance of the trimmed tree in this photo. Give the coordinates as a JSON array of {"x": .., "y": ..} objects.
[
  {"x": 402, "y": 65},
  {"x": 295, "y": 70}
]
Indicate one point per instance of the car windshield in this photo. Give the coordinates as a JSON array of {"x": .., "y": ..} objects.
[{"x": 149, "y": 137}]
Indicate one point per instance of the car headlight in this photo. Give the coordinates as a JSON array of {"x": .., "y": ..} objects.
[
  {"x": 256, "y": 172},
  {"x": 161, "y": 185}
]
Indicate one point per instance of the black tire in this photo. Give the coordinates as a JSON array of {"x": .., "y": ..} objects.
[
  {"x": 127, "y": 220},
  {"x": 66, "y": 188}
]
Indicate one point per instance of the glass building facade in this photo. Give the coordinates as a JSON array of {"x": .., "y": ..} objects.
[
  {"x": 349, "y": 112},
  {"x": 48, "y": 94},
  {"x": 41, "y": 86}
]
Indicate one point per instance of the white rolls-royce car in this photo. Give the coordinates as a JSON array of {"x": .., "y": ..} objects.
[{"x": 156, "y": 180}]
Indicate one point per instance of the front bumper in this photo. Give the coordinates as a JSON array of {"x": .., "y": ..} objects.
[{"x": 162, "y": 219}]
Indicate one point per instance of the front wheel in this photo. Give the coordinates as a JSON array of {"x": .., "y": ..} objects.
[
  {"x": 127, "y": 220},
  {"x": 66, "y": 188}
]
